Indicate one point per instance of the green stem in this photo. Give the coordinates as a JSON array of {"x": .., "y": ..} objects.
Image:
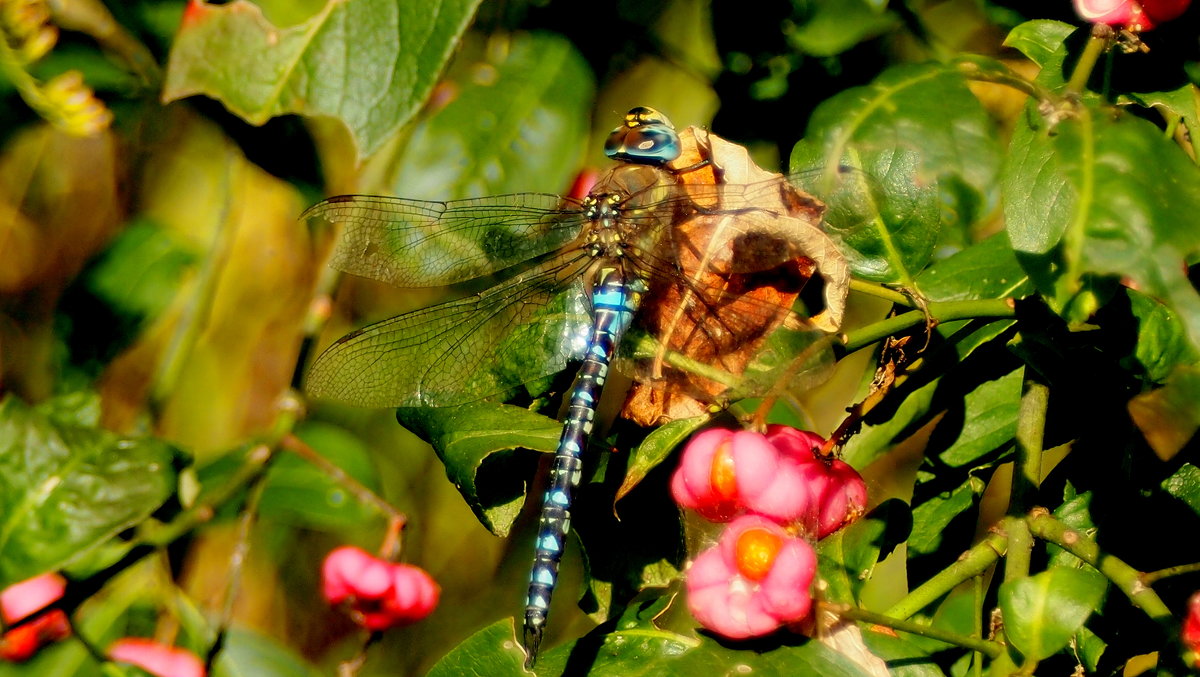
[
  {"x": 983, "y": 646},
  {"x": 972, "y": 563},
  {"x": 1097, "y": 44},
  {"x": 1031, "y": 426},
  {"x": 1153, "y": 576},
  {"x": 1129, "y": 580},
  {"x": 880, "y": 291},
  {"x": 943, "y": 311}
]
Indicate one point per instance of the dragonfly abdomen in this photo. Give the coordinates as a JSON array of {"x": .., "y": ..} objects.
[{"x": 614, "y": 300}]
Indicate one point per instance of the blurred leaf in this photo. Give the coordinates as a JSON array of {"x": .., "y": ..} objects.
[
  {"x": 475, "y": 442},
  {"x": 216, "y": 360},
  {"x": 835, "y": 26},
  {"x": 250, "y": 654},
  {"x": 657, "y": 446},
  {"x": 1042, "y": 612},
  {"x": 491, "y": 651},
  {"x": 300, "y": 493},
  {"x": 931, "y": 517},
  {"x": 1169, "y": 416},
  {"x": 141, "y": 270},
  {"x": 911, "y": 129},
  {"x": 65, "y": 489},
  {"x": 516, "y": 121},
  {"x": 369, "y": 63}
]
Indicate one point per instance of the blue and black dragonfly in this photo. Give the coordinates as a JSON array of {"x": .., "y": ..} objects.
[{"x": 580, "y": 270}]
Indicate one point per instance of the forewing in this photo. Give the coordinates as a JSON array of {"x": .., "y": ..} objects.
[
  {"x": 414, "y": 243},
  {"x": 463, "y": 350}
]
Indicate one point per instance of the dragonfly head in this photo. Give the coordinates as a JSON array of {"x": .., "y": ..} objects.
[{"x": 646, "y": 137}]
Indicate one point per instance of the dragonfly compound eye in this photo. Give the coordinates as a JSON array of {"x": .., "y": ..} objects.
[{"x": 646, "y": 137}]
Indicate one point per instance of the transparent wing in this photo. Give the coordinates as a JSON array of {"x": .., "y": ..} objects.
[
  {"x": 463, "y": 350},
  {"x": 414, "y": 243}
]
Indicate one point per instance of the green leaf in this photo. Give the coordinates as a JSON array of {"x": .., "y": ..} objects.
[
  {"x": 989, "y": 420},
  {"x": 491, "y": 651},
  {"x": 66, "y": 489},
  {"x": 835, "y": 26},
  {"x": 933, "y": 515},
  {"x": 1042, "y": 41},
  {"x": 140, "y": 272},
  {"x": 904, "y": 657},
  {"x": 1042, "y": 612},
  {"x": 1184, "y": 484},
  {"x": 300, "y": 493},
  {"x": 249, "y": 654},
  {"x": 518, "y": 122},
  {"x": 657, "y": 446},
  {"x": 913, "y": 129},
  {"x": 1177, "y": 102},
  {"x": 475, "y": 442},
  {"x": 1161, "y": 341},
  {"x": 848, "y": 557},
  {"x": 369, "y": 63},
  {"x": 986, "y": 270},
  {"x": 1075, "y": 207}
]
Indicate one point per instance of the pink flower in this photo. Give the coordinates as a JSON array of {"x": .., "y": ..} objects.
[
  {"x": 1136, "y": 15},
  {"x": 838, "y": 494},
  {"x": 723, "y": 474},
  {"x": 380, "y": 594},
  {"x": 23, "y": 599},
  {"x": 753, "y": 581},
  {"x": 157, "y": 659}
]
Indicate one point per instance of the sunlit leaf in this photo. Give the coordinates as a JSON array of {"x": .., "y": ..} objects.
[
  {"x": 475, "y": 442},
  {"x": 1042, "y": 612},
  {"x": 369, "y": 63}
]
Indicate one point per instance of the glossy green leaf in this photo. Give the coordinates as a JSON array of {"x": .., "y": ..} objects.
[
  {"x": 933, "y": 515},
  {"x": 1042, "y": 41},
  {"x": 985, "y": 270},
  {"x": 657, "y": 446},
  {"x": 647, "y": 651},
  {"x": 1104, "y": 196},
  {"x": 1042, "y": 612},
  {"x": 66, "y": 489},
  {"x": 491, "y": 651},
  {"x": 1076, "y": 513},
  {"x": 475, "y": 442},
  {"x": 1184, "y": 484},
  {"x": 518, "y": 121},
  {"x": 988, "y": 420},
  {"x": 1177, "y": 102},
  {"x": 369, "y": 63},
  {"x": 911, "y": 129},
  {"x": 1161, "y": 341}
]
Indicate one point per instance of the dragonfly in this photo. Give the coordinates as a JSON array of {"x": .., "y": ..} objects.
[{"x": 578, "y": 271}]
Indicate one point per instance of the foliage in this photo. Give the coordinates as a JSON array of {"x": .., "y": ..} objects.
[{"x": 1013, "y": 191}]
